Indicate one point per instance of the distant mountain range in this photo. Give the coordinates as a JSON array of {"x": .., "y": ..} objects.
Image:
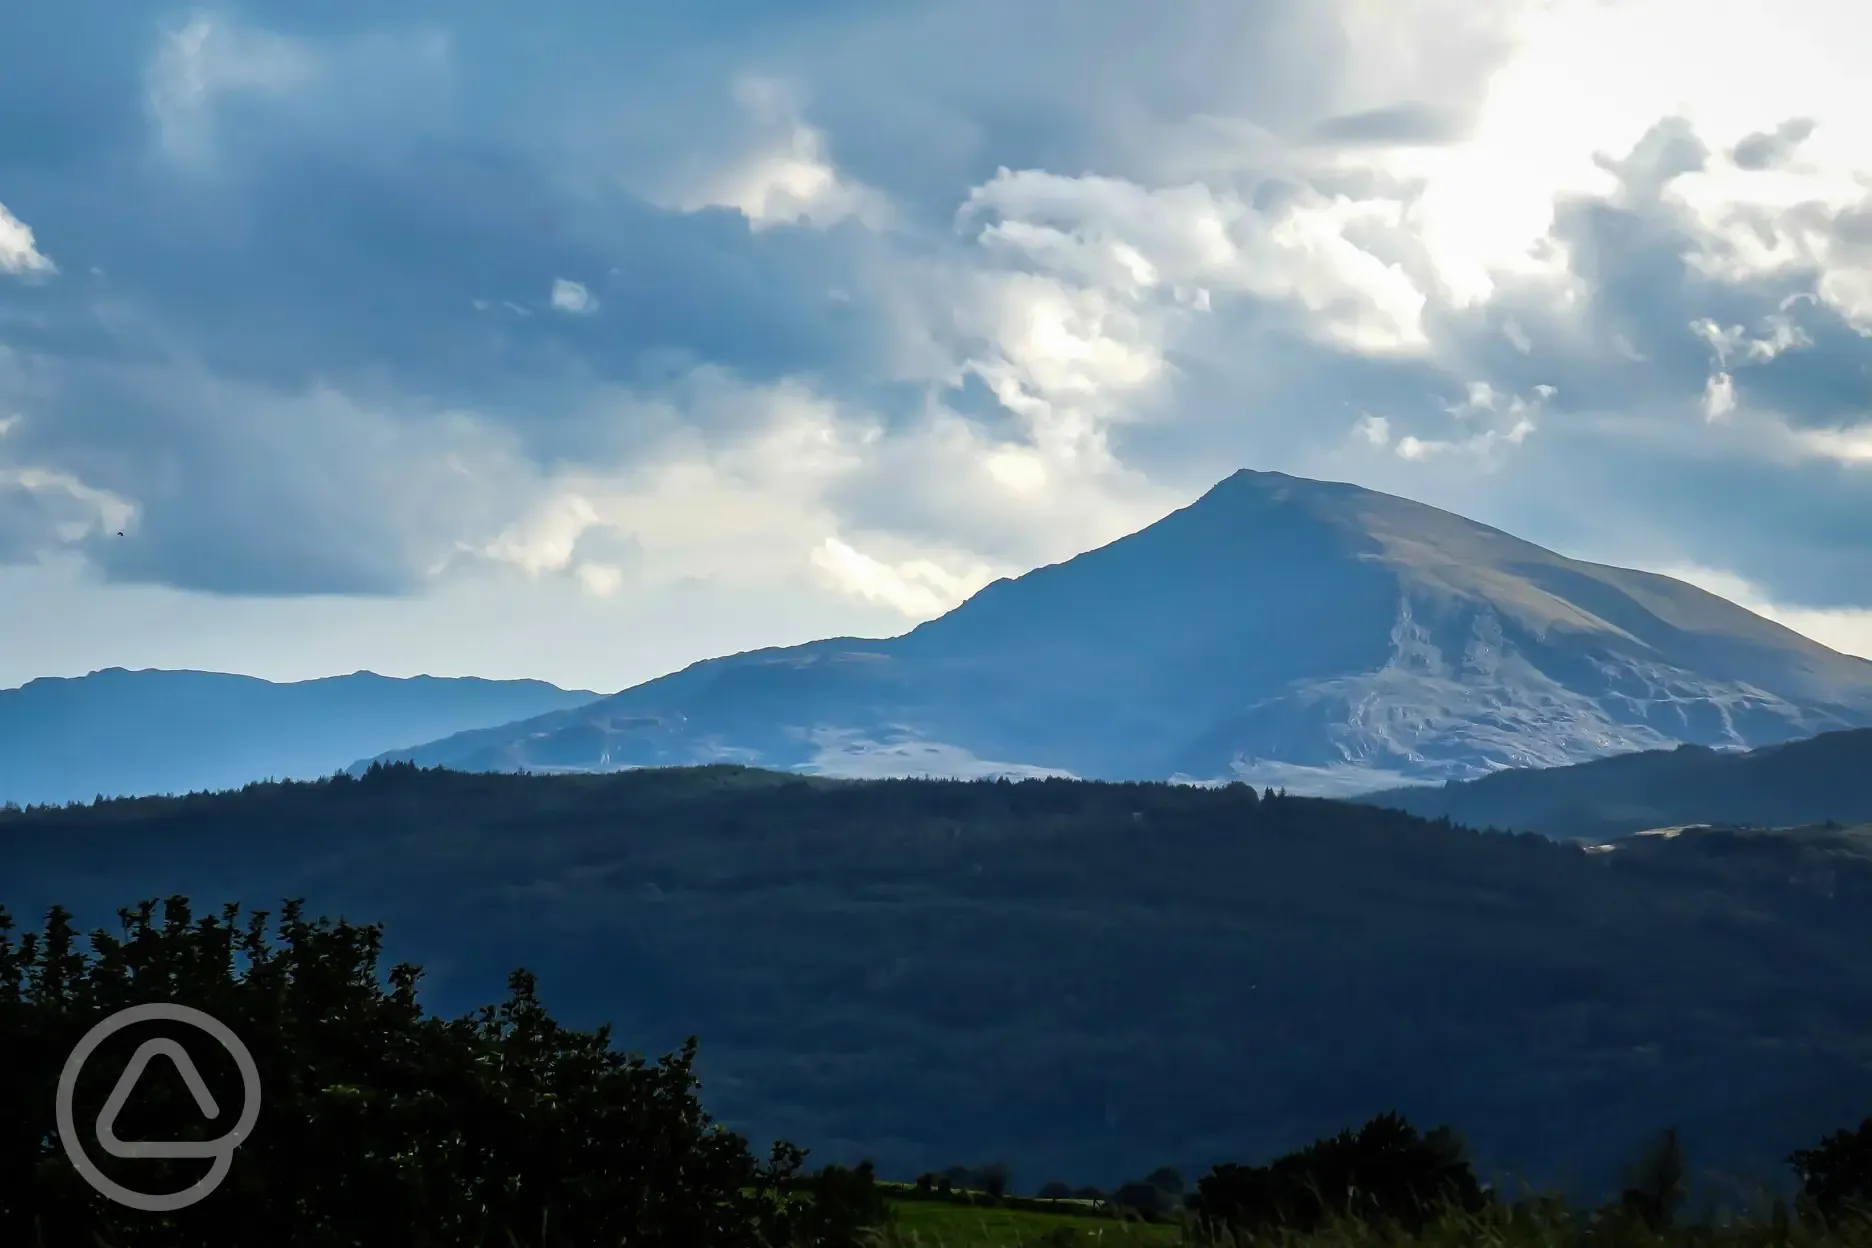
[
  {"x": 119, "y": 732},
  {"x": 1797, "y": 782},
  {"x": 1282, "y": 631}
]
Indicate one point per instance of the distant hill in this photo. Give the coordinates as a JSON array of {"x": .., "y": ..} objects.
[
  {"x": 1795, "y": 782},
  {"x": 119, "y": 732},
  {"x": 1305, "y": 634},
  {"x": 1085, "y": 980}
]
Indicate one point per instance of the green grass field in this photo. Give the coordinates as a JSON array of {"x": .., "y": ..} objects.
[
  {"x": 937, "y": 1224},
  {"x": 941, "y": 1224}
]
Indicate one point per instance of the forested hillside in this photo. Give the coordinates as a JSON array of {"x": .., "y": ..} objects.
[{"x": 1087, "y": 980}]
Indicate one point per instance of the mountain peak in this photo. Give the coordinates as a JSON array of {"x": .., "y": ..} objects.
[{"x": 1314, "y": 634}]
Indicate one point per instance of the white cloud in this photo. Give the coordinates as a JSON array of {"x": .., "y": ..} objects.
[
  {"x": 207, "y": 59},
  {"x": 1177, "y": 273},
  {"x": 1498, "y": 421},
  {"x": 747, "y": 506},
  {"x": 569, "y": 296},
  {"x": 1183, "y": 244},
  {"x": 785, "y": 176},
  {"x": 918, "y": 588},
  {"x": 1851, "y": 444},
  {"x": 18, "y": 252},
  {"x": 1719, "y": 400},
  {"x": 54, "y": 508}
]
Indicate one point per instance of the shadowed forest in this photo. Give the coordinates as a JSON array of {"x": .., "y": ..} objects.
[
  {"x": 383, "y": 1124},
  {"x": 1086, "y": 982}
]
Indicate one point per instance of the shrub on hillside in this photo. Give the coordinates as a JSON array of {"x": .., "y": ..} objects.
[
  {"x": 1383, "y": 1172},
  {"x": 1142, "y": 1198},
  {"x": 1166, "y": 1179},
  {"x": 842, "y": 1207},
  {"x": 1658, "y": 1183},
  {"x": 1836, "y": 1173},
  {"x": 991, "y": 1179}
]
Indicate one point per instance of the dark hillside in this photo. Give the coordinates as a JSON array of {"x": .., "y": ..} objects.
[
  {"x": 1092, "y": 979},
  {"x": 1794, "y": 782}
]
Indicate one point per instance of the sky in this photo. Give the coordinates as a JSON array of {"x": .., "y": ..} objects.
[{"x": 585, "y": 344}]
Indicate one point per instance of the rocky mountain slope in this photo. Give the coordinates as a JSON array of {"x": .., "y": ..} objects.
[
  {"x": 119, "y": 732},
  {"x": 1278, "y": 630}
]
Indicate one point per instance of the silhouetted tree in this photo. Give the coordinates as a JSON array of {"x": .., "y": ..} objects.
[
  {"x": 1385, "y": 1171},
  {"x": 1836, "y": 1173},
  {"x": 378, "y": 1123},
  {"x": 1141, "y": 1197},
  {"x": 1658, "y": 1182},
  {"x": 843, "y": 1207},
  {"x": 1166, "y": 1179}
]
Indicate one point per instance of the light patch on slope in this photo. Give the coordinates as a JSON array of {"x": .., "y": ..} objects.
[
  {"x": 1449, "y": 717},
  {"x": 1337, "y": 780},
  {"x": 852, "y": 755}
]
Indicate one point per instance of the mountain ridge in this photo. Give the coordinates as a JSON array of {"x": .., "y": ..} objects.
[
  {"x": 120, "y": 731},
  {"x": 1317, "y": 635},
  {"x": 1789, "y": 783}
]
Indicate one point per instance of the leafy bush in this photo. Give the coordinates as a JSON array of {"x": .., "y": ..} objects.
[
  {"x": 1658, "y": 1183},
  {"x": 1836, "y": 1173},
  {"x": 842, "y": 1208},
  {"x": 1141, "y": 1197},
  {"x": 1384, "y": 1172}
]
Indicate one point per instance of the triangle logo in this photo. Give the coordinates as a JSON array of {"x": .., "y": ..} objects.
[{"x": 120, "y": 1096}]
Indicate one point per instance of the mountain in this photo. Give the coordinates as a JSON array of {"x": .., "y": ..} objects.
[
  {"x": 126, "y": 732},
  {"x": 1796, "y": 782},
  {"x": 1085, "y": 980},
  {"x": 1278, "y": 630}
]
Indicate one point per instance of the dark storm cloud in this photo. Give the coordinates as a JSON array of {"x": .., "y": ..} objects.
[
  {"x": 1766, "y": 149},
  {"x": 291, "y": 239},
  {"x": 1398, "y": 123},
  {"x": 304, "y": 324}
]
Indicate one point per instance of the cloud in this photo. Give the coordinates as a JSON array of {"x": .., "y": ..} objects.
[
  {"x": 917, "y": 588},
  {"x": 1769, "y": 149},
  {"x": 199, "y": 66},
  {"x": 783, "y": 175},
  {"x": 1190, "y": 244},
  {"x": 889, "y": 310},
  {"x": 18, "y": 253},
  {"x": 1505, "y": 422},
  {"x": 572, "y": 297}
]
